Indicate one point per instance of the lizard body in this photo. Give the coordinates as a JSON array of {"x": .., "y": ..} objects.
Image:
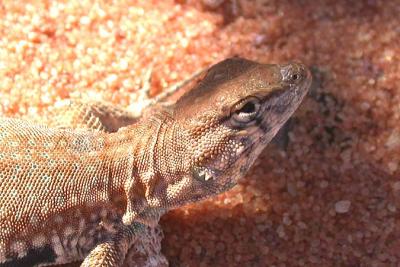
[{"x": 70, "y": 193}]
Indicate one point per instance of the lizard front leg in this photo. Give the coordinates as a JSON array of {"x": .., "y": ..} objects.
[
  {"x": 132, "y": 246},
  {"x": 147, "y": 252},
  {"x": 112, "y": 252}
]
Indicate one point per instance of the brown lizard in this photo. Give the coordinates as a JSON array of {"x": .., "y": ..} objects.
[{"x": 77, "y": 192}]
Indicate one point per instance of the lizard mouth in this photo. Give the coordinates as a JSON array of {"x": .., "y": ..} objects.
[
  {"x": 205, "y": 174},
  {"x": 209, "y": 174}
]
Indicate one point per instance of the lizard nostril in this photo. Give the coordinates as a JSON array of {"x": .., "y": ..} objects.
[{"x": 293, "y": 73}]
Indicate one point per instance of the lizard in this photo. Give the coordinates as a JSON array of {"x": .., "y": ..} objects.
[{"x": 70, "y": 193}]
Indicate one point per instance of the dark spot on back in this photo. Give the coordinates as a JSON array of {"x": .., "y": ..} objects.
[{"x": 34, "y": 256}]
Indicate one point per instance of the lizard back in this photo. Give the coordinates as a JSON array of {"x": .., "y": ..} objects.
[{"x": 46, "y": 171}]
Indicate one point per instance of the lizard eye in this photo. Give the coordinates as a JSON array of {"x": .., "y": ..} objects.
[{"x": 246, "y": 110}]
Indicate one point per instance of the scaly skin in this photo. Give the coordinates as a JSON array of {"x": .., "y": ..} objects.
[{"x": 91, "y": 192}]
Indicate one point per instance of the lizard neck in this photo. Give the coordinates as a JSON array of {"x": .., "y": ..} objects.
[{"x": 145, "y": 158}]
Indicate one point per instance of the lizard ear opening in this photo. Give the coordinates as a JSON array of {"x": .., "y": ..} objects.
[{"x": 246, "y": 111}]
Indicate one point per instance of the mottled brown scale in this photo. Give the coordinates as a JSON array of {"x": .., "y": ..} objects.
[{"x": 86, "y": 187}]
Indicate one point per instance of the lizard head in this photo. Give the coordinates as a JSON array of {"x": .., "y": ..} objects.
[{"x": 231, "y": 115}]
